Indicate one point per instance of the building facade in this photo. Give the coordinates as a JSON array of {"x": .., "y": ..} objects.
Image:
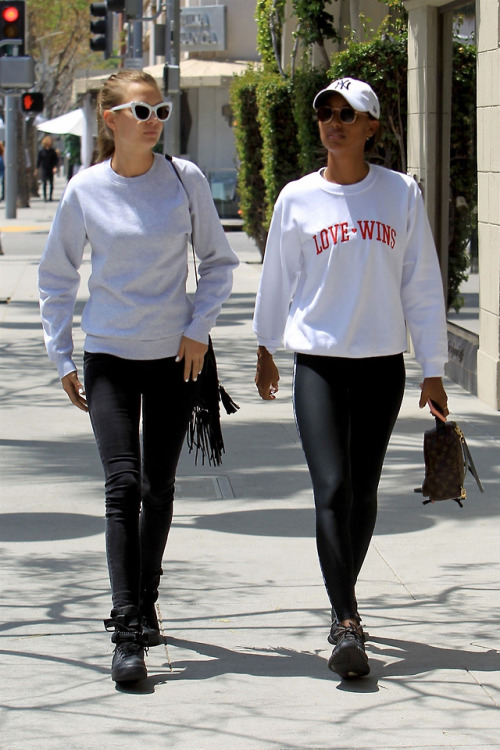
[{"x": 474, "y": 337}]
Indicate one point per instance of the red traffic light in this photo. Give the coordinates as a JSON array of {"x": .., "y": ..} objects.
[
  {"x": 12, "y": 28},
  {"x": 10, "y": 14}
]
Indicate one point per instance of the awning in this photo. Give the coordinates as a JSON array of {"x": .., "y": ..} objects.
[
  {"x": 194, "y": 74},
  {"x": 199, "y": 73},
  {"x": 70, "y": 123}
]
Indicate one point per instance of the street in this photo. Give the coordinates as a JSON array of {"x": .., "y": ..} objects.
[{"x": 242, "y": 602}]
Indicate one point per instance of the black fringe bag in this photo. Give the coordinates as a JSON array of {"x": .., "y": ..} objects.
[{"x": 204, "y": 434}]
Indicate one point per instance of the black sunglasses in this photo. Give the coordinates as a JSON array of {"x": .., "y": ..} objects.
[{"x": 347, "y": 115}]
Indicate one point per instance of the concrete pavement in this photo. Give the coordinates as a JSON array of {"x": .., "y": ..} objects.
[{"x": 242, "y": 601}]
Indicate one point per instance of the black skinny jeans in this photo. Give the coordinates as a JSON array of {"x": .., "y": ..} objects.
[
  {"x": 139, "y": 484},
  {"x": 345, "y": 411}
]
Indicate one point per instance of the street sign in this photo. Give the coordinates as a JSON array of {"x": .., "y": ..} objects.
[
  {"x": 133, "y": 63},
  {"x": 17, "y": 72}
]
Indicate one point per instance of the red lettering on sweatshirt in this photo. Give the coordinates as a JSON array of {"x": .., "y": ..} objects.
[
  {"x": 336, "y": 233},
  {"x": 366, "y": 229}
]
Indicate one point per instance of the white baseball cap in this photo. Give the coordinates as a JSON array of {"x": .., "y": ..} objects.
[{"x": 358, "y": 94}]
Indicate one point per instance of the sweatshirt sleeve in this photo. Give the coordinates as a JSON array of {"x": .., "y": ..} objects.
[
  {"x": 58, "y": 283},
  {"x": 217, "y": 259},
  {"x": 422, "y": 292},
  {"x": 280, "y": 273}
]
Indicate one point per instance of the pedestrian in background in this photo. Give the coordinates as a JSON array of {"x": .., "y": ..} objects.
[
  {"x": 46, "y": 166},
  {"x": 145, "y": 339},
  {"x": 350, "y": 259}
]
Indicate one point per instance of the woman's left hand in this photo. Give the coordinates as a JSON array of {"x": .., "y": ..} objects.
[
  {"x": 433, "y": 389},
  {"x": 193, "y": 353}
]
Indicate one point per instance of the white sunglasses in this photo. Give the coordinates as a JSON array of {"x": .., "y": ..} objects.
[{"x": 143, "y": 112}]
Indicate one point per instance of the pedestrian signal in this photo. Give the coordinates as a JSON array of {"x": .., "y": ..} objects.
[
  {"x": 32, "y": 102},
  {"x": 12, "y": 28}
]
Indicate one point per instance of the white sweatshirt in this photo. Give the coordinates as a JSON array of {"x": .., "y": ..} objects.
[
  {"x": 345, "y": 267},
  {"x": 138, "y": 229}
]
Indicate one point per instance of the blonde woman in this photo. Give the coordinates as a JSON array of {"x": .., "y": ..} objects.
[
  {"x": 145, "y": 339},
  {"x": 47, "y": 164}
]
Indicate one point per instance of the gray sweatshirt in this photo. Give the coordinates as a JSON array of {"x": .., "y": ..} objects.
[{"x": 138, "y": 229}]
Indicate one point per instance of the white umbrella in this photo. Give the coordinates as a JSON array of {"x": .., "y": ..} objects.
[{"x": 70, "y": 123}]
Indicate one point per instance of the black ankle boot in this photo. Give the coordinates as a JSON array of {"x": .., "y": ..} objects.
[
  {"x": 150, "y": 625},
  {"x": 128, "y": 659},
  {"x": 149, "y": 596}
]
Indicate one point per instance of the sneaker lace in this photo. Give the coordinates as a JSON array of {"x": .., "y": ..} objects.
[
  {"x": 348, "y": 633},
  {"x": 129, "y": 647}
]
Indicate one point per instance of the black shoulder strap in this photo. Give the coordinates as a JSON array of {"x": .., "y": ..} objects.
[{"x": 170, "y": 159}]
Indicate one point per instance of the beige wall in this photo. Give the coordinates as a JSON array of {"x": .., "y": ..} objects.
[{"x": 488, "y": 123}]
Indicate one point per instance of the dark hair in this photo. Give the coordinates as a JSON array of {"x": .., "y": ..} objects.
[
  {"x": 112, "y": 94},
  {"x": 375, "y": 138}
]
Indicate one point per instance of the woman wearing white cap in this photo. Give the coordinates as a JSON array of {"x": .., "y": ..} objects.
[{"x": 350, "y": 261}]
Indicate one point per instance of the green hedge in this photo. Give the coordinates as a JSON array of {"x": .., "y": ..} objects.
[
  {"x": 279, "y": 136},
  {"x": 251, "y": 186},
  {"x": 306, "y": 84}
]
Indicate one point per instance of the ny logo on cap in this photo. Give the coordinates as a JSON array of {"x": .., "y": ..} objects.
[{"x": 344, "y": 83}]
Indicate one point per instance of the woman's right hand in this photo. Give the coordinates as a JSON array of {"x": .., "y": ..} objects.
[
  {"x": 75, "y": 390},
  {"x": 267, "y": 375}
]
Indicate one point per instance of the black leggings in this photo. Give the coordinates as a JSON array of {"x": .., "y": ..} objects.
[
  {"x": 139, "y": 492},
  {"x": 345, "y": 411}
]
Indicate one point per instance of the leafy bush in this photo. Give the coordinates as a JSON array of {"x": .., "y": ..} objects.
[
  {"x": 279, "y": 137},
  {"x": 251, "y": 187}
]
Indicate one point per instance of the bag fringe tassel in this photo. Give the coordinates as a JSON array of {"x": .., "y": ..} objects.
[{"x": 204, "y": 434}]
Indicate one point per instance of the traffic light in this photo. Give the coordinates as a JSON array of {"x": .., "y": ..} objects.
[
  {"x": 12, "y": 28},
  {"x": 102, "y": 28},
  {"x": 32, "y": 102}
]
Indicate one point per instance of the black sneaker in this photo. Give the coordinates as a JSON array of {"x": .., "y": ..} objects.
[
  {"x": 349, "y": 659},
  {"x": 128, "y": 659},
  {"x": 336, "y": 630}
]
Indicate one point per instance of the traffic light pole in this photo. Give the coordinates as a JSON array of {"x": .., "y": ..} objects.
[
  {"x": 171, "y": 131},
  {"x": 11, "y": 108}
]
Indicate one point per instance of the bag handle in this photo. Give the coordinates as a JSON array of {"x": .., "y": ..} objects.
[{"x": 229, "y": 405}]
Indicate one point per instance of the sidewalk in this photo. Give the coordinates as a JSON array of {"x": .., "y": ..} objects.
[{"x": 242, "y": 601}]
